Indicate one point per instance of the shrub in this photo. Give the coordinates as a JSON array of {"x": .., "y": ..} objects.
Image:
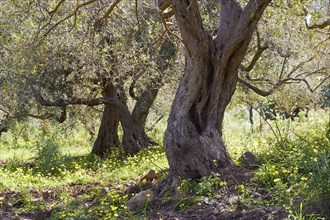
[{"x": 49, "y": 159}]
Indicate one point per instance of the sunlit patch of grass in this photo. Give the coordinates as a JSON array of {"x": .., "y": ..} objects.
[
  {"x": 23, "y": 139},
  {"x": 83, "y": 170},
  {"x": 296, "y": 167},
  {"x": 134, "y": 166},
  {"x": 43, "y": 156}
]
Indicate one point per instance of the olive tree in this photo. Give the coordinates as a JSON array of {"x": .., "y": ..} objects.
[
  {"x": 193, "y": 139},
  {"x": 61, "y": 54}
]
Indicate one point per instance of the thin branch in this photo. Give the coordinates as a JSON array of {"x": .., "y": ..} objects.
[
  {"x": 283, "y": 67},
  {"x": 137, "y": 15},
  {"x": 265, "y": 120},
  {"x": 54, "y": 26},
  {"x": 61, "y": 102},
  {"x": 260, "y": 91},
  {"x": 73, "y": 101},
  {"x": 131, "y": 91},
  {"x": 262, "y": 79},
  {"x": 287, "y": 80},
  {"x": 160, "y": 37},
  {"x": 77, "y": 9},
  {"x": 301, "y": 64},
  {"x": 316, "y": 87},
  {"x": 52, "y": 12},
  {"x": 255, "y": 58},
  {"x": 169, "y": 31},
  {"x": 98, "y": 110},
  {"x": 166, "y": 11},
  {"x": 107, "y": 14},
  {"x": 65, "y": 18},
  {"x": 164, "y": 4},
  {"x": 5, "y": 111},
  {"x": 314, "y": 72},
  {"x": 155, "y": 123},
  {"x": 308, "y": 17}
]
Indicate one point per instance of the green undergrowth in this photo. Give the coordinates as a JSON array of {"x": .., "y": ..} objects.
[
  {"x": 51, "y": 168},
  {"x": 45, "y": 167},
  {"x": 296, "y": 169},
  {"x": 76, "y": 184},
  {"x": 24, "y": 139}
]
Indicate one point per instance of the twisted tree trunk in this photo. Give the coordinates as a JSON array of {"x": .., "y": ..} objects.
[
  {"x": 107, "y": 136},
  {"x": 133, "y": 123},
  {"x": 133, "y": 138},
  {"x": 193, "y": 138}
]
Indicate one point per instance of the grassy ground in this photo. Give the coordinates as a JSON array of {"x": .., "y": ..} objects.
[{"x": 46, "y": 172}]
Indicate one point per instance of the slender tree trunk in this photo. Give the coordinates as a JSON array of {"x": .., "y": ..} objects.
[
  {"x": 147, "y": 97},
  {"x": 107, "y": 136},
  {"x": 141, "y": 112},
  {"x": 193, "y": 138},
  {"x": 251, "y": 117}
]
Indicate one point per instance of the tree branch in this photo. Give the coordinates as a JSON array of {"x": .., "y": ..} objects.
[
  {"x": 53, "y": 12},
  {"x": 107, "y": 14},
  {"x": 132, "y": 85},
  {"x": 168, "y": 30},
  {"x": 164, "y": 4},
  {"x": 316, "y": 87},
  {"x": 308, "y": 17},
  {"x": 59, "y": 119},
  {"x": 301, "y": 64},
  {"x": 137, "y": 15},
  {"x": 257, "y": 55},
  {"x": 260, "y": 91},
  {"x": 65, "y": 102},
  {"x": 166, "y": 11},
  {"x": 5, "y": 111},
  {"x": 197, "y": 41},
  {"x": 287, "y": 80},
  {"x": 165, "y": 7}
]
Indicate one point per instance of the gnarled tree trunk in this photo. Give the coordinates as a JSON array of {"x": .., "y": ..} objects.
[
  {"x": 133, "y": 123},
  {"x": 193, "y": 138},
  {"x": 133, "y": 139},
  {"x": 134, "y": 136},
  {"x": 107, "y": 136},
  {"x": 117, "y": 111}
]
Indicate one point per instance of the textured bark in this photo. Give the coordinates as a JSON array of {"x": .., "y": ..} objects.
[
  {"x": 133, "y": 139},
  {"x": 141, "y": 112},
  {"x": 134, "y": 136},
  {"x": 107, "y": 136},
  {"x": 193, "y": 138}
]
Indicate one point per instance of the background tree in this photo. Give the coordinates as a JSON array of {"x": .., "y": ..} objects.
[
  {"x": 286, "y": 63},
  {"x": 69, "y": 55}
]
